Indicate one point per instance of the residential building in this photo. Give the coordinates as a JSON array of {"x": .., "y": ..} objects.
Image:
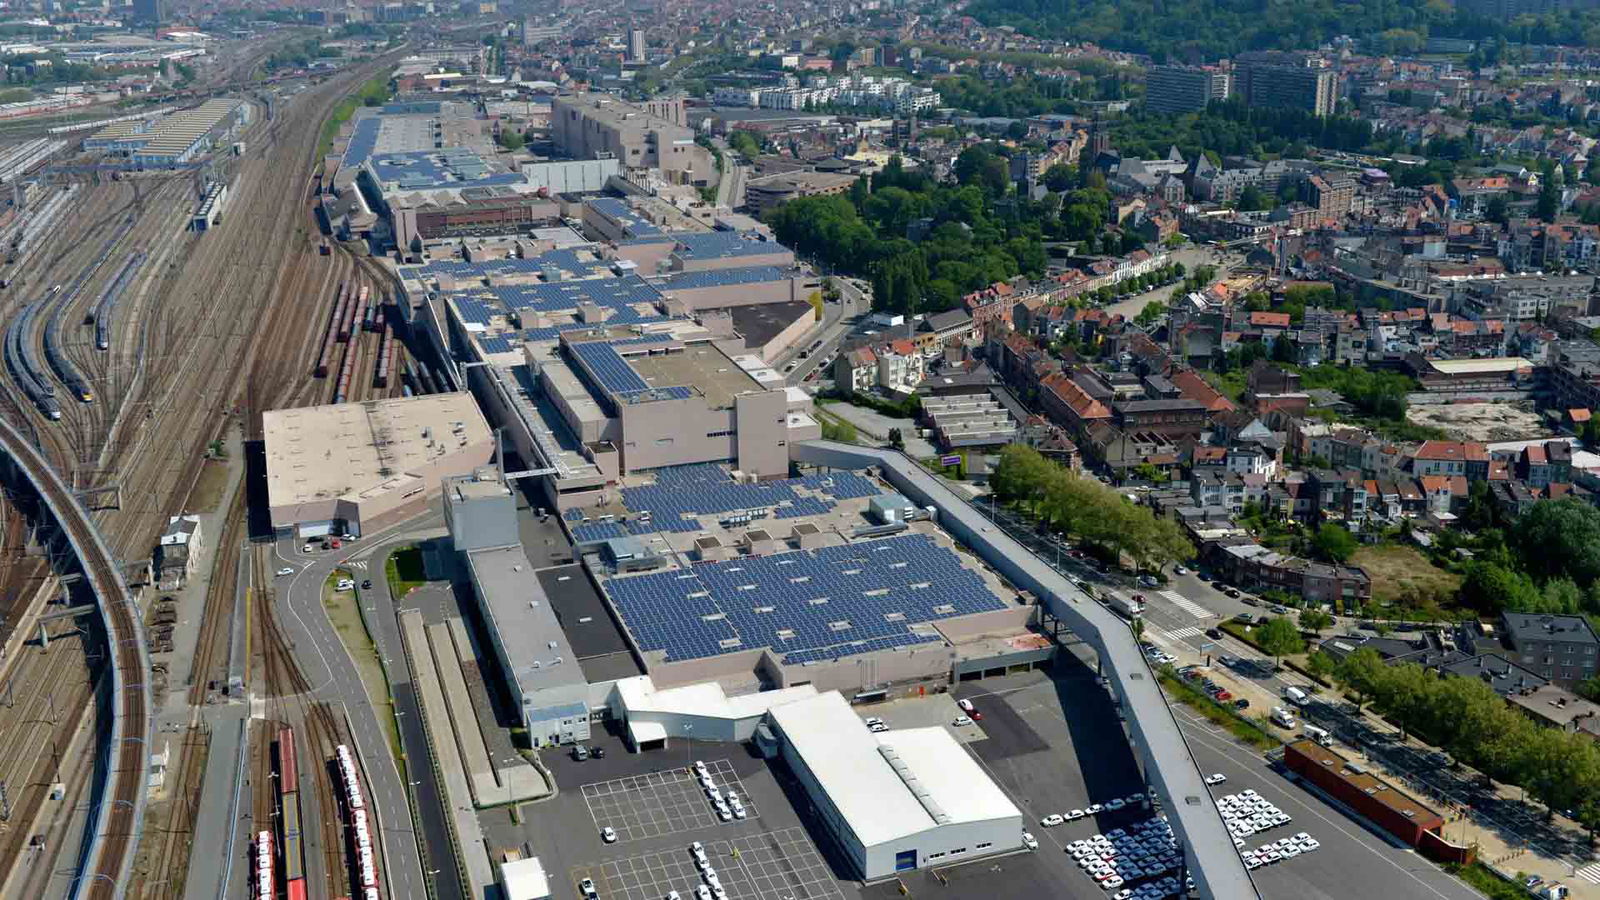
[
  {"x": 1563, "y": 649},
  {"x": 1181, "y": 89},
  {"x": 178, "y": 552},
  {"x": 1292, "y": 80}
]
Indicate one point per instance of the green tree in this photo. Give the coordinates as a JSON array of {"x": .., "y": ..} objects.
[
  {"x": 1334, "y": 542},
  {"x": 1314, "y": 619},
  {"x": 1589, "y": 689},
  {"x": 1497, "y": 211},
  {"x": 1279, "y": 638},
  {"x": 511, "y": 139},
  {"x": 1559, "y": 539},
  {"x": 1321, "y": 665},
  {"x": 745, "y": 143},
  {"x": 1361, "y": 673}
]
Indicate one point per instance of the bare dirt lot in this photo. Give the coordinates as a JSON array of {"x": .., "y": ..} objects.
[{"x": 1482, "y": 421}]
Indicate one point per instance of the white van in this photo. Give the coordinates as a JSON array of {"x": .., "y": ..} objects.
[
  {"x": 1320, "y": 735},
  {"x": 1295, "y": 695},
  {"x": 1283, "y": 718}
]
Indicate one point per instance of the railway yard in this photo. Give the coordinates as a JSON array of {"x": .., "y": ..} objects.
[{"x": 133, "y": 348}]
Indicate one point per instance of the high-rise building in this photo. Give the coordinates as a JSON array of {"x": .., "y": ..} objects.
[
  {"x": 1180, "y": 89},
  {"x": 147, "y": 11},
  {"x": 636, "y": 45},
  {"x": 1291, "y": 80}
]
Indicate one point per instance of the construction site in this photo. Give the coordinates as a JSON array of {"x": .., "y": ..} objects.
[{"x": 141, "y": 353}]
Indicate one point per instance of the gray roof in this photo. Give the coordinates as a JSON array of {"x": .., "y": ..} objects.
[
  {"x": 516, "y": 601},
  {"x": 1560, "y": 629}
]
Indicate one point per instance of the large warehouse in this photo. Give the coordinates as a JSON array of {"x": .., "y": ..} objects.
[
  {"x": 356, "y": 467},
  {"x": 897, "y": 800}
]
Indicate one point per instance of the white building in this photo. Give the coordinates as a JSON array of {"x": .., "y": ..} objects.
[{"x": 897, "y": 800}]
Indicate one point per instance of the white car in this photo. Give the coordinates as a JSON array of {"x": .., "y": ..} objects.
[
  {"x": 608, "y": 834},
  {"x": 723, "y": 812},
  {"x": 285, "y": 571},
  {"x": 873, "y": 720},
  {"x": 699, "y": 852},
  {"x": 966, "y": 705},
  {"x": 1095, "y": 809},
  {"x": 1216, "y": 778},
  {"x": 1179, "y": 570},
  {"x": 345, "y": 585},
  {"x": 877, "y": 728},
  {"x": 1076, "y": 814},
  {"x": 701, "y": 892},
  {"x": 1029, "y": 841},
  {"x": 700, "y": 768},
  {"x": 714, "y": 794},
  {"x": 1052, "y": 820},
  {"x": 308, "y": 548},
  {"x": 673, "y": 895},
  {"x": 586, "y": 887},
  {"x": 962, "y": 721}
]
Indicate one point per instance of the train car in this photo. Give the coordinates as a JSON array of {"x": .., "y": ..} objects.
[
  {"x": 297, "y": 889},
  {"x": 293, "y": 861},
  {"x": 263, "y": 867},
  {"x": 288, "y": 766}
]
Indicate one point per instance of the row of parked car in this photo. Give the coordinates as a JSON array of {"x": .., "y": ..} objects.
[
  {"x": 1139, "y": 800},
  {"x": 1217, "y": 692},
  {"x": 728, "y": 806}
]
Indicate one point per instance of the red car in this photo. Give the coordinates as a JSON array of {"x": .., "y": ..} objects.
[
  {"x": 976, "y": 716},
  {"x": 1222, "y": 696}
]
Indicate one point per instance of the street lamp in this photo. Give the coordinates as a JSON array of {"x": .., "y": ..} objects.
[{"x": 688, "y": 751}]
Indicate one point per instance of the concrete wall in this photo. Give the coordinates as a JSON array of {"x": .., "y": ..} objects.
[
  {"x": 762, "y": 421},
  {"x": 780, "y": 257},
  {"x": 783, "y": 340},
  {"x": 674, "y": 432},
  {"x": 725, "y": 295},
  {"x": 922, "y": 663}
]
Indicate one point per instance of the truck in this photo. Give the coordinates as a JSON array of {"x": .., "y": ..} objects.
[
  {"x": 1283, "y": 718},
  {"x": 1320, "y": 735},
  {"x": 1127, "y": 606},
  {"x": 1295, "y": 695}
]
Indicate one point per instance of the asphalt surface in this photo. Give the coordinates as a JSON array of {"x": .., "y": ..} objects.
[
  {"x": 333, "y": 677},
  {"x": 838, "y": 318}
]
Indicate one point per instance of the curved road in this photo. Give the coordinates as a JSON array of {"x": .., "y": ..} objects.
[{"x": 334, "y": 679}]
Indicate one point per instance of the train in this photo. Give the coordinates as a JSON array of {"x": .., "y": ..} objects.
[
  {"x": 264, "y": 868},
  {"x": 325, "y": 355},
  {"x": 294, "y": 871},
  {"x": 363, "y": 848},
  {"x": 106, "y": 306},
  {"x": 24, "y": 366},
  {"x": 70, "y": 377}
]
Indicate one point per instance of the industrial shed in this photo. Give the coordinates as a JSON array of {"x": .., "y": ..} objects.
[{"x": 898, "y": 800}]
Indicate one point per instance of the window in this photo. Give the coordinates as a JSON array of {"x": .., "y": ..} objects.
[
  {"x": 986, "y": 845},
  {"x": 957, "y": 851}
]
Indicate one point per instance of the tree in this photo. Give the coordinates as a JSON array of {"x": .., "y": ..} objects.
[
  {"x": 1314, "y": 619},
  {"x": 1321, "y": 665},
  {"x": 745, "y": 143},
  {"x": 1589, "y": 689},
  {"x": 1362, "y": 674},
  {"x": 1334, "y": 543},
  {"x": 1548, "y": 206},
  {"x": 1589, "y": 433},
  {"x": 1559, "y": 539},
  {"x": 1252, "y": 199},
  {"x": 511, "y": 139},
  {"x": 1279, "y": 638},
  {"x": 1497, "y": 211}
]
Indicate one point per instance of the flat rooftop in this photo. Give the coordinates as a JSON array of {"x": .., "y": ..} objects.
[
  {"x": 700, "y": 366},
  {"x": 1374, "y": 787},
  {"x": 537, "y": 648},
  {"x": 764, "y": 321},
  {"x": 597, "y": 642},
  {"x": 319, "y": 453}
]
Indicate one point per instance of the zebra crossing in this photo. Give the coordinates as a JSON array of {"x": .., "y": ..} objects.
[
  {"x": 360, "y": 564},
  {"x": 1590, "y": 873},
  {"x": 1176, "y": 634},
  {"x": 1187, "y": 605}
]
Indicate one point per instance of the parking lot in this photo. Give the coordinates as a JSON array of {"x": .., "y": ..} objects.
[
  {"x": 779, "y": 864},
  {"x": 656, "y": 804}
]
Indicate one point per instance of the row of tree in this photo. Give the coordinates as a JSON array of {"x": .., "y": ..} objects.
[
  {"x": 1466, "y": 717},
  {"x": 1085, "y": 509}
]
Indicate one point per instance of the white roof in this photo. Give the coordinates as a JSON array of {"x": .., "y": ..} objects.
[
  {"x": 948, "y": 773},
  {"x": 705, "y": 699},
  {"x": 524, "y": 879},
  {"x": 894, "y": 784}
]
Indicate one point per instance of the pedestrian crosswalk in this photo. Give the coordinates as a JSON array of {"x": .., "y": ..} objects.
[
  {"x": 1177, "y": 634},
  {"x": 1187, "y": 605},
  {"x": 358, "y": 564},
  {"x": 1590, "y": 873}
]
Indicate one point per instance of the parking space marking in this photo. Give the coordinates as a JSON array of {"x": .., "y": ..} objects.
[
  {"x": 1187, "y": 605},
  {"x": 656, "y": 804},
  {"x": 766, "y": 866}
]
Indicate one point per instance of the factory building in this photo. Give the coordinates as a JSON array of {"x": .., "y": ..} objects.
[
  {"x": 351, "y": 468},
  {"x": 172, "y": 139},
  {"x": 595, "y": 126},
  {"x": 894, "y": 801}
]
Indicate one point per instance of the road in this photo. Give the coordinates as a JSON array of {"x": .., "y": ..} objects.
[
  {"x": 838, "y": 318},
  {"x": 333, "y": 676}
]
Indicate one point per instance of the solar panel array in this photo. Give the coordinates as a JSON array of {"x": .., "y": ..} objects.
[
  {"x": 598, "y": 531},
  {"x": 809, "y": 604},
  {"x": 724, "y": 244},
  {"x": 608, "y": 367},
  {"x": 363, "y": 140},
  {"x": 722, "y": 277},
  {"x": 705, "y": 489},
  {"x": 495, "y": 343}
]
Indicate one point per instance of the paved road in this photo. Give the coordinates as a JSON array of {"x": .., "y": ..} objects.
[
  {"x": 333, "y": 677},
  {"x": 855, "y": 301},
  {"x": 208, "y": 853}
]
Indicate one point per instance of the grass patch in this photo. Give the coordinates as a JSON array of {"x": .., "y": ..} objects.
[
  {"x": 1400, "y": 574},
  {"x": 1244, "y": 729},
  {"x": 210, "y": 486},
  {"x": 1486, "y": 882},
  {"x": 344, "y": 611},
  {"x": 374, "y": 92},
  {"x": 405, "y": 570}
]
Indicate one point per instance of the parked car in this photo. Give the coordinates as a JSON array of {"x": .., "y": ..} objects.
[
  {"x": 366, "y": 584},
  {"x": 1052, "y": 820},
  {"x": 1241, "y": 703},
  {"x": 1179, "y": 570},
  {"x": 1232, "y": 592},
  {"x": 1029, "y": 841},
  {"x": 1216, "y": 778},
  {"x": 608, "y": 834},
  {"x": 586, "y": 886},
  {"x": 962, "y": 721},
  {"x": 285, "y": 571},
  {"x": 965, "y": 704},
  {"x": 1214, "y": 633}
]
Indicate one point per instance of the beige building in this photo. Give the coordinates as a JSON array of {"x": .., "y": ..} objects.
[
  {"x": 357, "y": 467},
  {"x": 595, "y": 126},
  {"x": 178, "y": 553},
  {"x": 763, "y": 194}
]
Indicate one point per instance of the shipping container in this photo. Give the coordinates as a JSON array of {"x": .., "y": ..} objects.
[{"x": 293, "y": 861}]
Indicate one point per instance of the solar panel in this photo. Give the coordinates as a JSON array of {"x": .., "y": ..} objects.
[
  {"x": 598, "y": 531},
  {"x": 807, "y": 605},
  {"x": 608, "y": 368},
  {"x": 495, "y": 343}
]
